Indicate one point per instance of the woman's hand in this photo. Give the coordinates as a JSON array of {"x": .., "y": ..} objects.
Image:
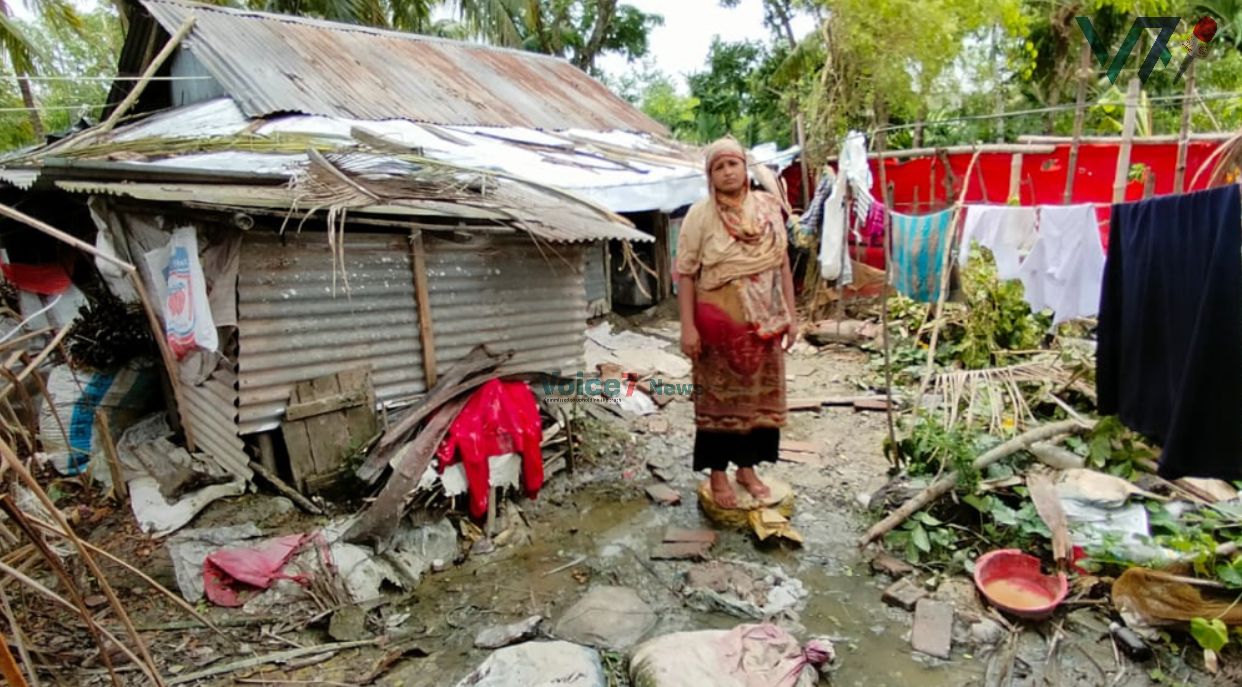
[
  {"x": 791, "y": 335},
  {"x": 691, "y": 345}
]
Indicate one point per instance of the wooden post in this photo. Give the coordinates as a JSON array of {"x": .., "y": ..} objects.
[
  {"x": 892, "y": 453},
  {"x": 664, "y": 272},
  {"x": 1084, "y": 71},
  {"x": 422, "y": 294},
  {"x": 1015, "y": 179},
  {"x": 806, "y": 179},
  {"x": 152, "y": 68},
  {"x": 119, "y": 489},
  {"x": 1149, "y": 185},
  {"x": 1121, "y": 178},
  {"x": 1183, "y": 136}
]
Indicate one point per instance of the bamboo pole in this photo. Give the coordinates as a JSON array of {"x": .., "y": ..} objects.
[
  {"x": 152, "y": 68},
  {"x": 894, "y": 456},
  {"x": 1015, "y": 179},
  {"x": 19, "y": 639},
  {"x": 944, "y": 278},
  {"x": 946, "y": 483},
  {"x": 1121, "y": 178},
  {"x": 24, "y": 475},
  {"x": 1080, "y": 101},
  {"x": 75, "y": 595},
  {"x": 1183, "y": 136}
]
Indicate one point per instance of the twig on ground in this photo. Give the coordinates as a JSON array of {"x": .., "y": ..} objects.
[{"x": 279, "y": 657}]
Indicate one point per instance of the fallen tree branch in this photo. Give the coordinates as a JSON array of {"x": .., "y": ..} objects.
[
  {"x": 278, "y": 657},
  {"x": 946, "y": 483}
]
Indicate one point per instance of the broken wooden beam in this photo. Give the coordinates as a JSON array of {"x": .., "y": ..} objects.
[{"x": 380, "y": 520}]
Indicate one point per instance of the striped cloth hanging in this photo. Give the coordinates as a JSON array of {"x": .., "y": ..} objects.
[{"x": 918, "y": 247}]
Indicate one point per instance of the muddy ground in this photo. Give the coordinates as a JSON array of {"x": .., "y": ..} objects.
[{"x": 601, "y": 517}]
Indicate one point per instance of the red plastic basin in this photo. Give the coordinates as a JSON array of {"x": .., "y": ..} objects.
[{"x": 1012, "y": 581}]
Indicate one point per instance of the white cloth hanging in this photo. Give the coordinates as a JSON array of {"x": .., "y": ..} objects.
[
  {"x": 832, "y": 231},
  {"x": 1007, "y": 231},
  {"x": 1065, "y": 270}
]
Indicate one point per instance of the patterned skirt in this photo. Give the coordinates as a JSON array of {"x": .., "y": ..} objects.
[{"x": 739, "y": 375}]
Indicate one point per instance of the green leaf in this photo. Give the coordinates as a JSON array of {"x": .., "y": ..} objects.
[
  {"x": 1212, "y": 634},
  {"x": 919, "y": 536},
  {"x": 979, "y": 503},
  {"x": 928, "y": 519}
]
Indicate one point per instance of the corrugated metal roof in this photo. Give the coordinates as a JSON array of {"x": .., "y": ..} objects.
[
  {"x": 510, "y": 294},
  {"x": 275, "y": 63},
  {"x": 294, "y": 325}
]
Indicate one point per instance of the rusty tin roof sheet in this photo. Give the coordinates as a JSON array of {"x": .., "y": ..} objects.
[{"x": 275, "y": 63}]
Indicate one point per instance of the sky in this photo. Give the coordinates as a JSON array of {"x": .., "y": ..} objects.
[{"x": 680, "y": 46}]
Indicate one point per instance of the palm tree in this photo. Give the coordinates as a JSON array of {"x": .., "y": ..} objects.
[{"x": 57, "y": 14}]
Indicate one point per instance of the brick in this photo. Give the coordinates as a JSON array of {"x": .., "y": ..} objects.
[
  {"x": 663, "y": 494},
  {"x": 675, "y": 535},
  {"x": 933, "y": 628},
  {"x": 893, "y": 567},
  {"x": 904, "y": 594},
  {"x": 681, "y": 551}
]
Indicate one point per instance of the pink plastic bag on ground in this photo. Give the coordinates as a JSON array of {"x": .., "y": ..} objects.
[{"x": 231, "y": 576}]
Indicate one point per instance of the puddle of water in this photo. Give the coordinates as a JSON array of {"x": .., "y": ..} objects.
[{"x": 875, "y": 652}]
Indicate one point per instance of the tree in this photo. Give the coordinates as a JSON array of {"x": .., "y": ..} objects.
[
  {"x": 21, "y": 52},
  {"x": 60, "y": 56}
]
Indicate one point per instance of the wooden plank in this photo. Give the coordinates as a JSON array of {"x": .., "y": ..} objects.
[
  {"x": 298, "y": 442},
  {"x": 663, "y": 266},
  {"x": 422, "y": 296},
  {"x": 327, "y": 433},
  {"x": 342, "y": 401},
  {"x": 1015, "y": 178},
  {"x": 361, "y": 422}
]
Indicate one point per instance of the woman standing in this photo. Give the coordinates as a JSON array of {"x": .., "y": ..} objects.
[{"x": 738, "y": 318}]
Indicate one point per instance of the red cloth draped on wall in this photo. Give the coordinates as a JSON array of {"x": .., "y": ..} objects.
[{"x": 500, "y": 418}]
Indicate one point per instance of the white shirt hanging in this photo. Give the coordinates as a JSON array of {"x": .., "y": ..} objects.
[
  {"x": 1007, "y": 231},
  {"x": 1065, "y": 270}
]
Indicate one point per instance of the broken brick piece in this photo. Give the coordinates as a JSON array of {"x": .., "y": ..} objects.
[
  {"x": 681, "y": 551},
  {"x": 675, "y": 535},
  {"x": 663, "y": 494},
  {"x": 893, "y": 567},
  {"x": 904, "y": 594},
  {"x": 933, "y": 628}
]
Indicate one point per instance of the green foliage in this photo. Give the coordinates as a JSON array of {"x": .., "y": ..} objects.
[
  {"x": 997, "y": 316},
  {"x": 1212, "y": 635},
  {"x": 931, "y": 449},
  {"x": 1113, "y": 448},
  {"x": 923, "y": 538}
]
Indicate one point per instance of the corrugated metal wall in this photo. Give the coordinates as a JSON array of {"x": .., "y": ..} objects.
[
  {"x": 504, "y": 291},
  {"x": 509, "y": 293},
  {"x": 596, "y": 278},
  {"x": 293, "y": 327},
  {"x": 212, "y": 408}
]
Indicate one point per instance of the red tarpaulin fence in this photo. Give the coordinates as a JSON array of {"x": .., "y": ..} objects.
[{"x": 1042, "y": 180}]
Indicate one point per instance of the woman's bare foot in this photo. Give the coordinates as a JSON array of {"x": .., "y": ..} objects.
[
  {"x": 752, "y": 484},
  {"x": 722, "y": 491}
]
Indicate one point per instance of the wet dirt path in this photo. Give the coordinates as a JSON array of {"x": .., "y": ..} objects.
[{"x": 602, "y": 515}]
